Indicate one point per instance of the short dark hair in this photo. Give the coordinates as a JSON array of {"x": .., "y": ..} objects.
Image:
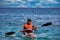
[{"x": 29, "y": 20}]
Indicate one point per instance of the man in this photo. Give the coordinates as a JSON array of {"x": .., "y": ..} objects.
[{"x": 28, "y": 27}]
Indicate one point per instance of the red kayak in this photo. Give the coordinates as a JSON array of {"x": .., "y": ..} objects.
[{"x": 30, "y": 35}]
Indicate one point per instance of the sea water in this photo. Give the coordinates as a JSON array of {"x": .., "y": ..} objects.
[{"x": 13, "y": 19}]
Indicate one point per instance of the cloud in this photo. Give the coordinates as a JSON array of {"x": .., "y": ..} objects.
[
  {"x": 30, "y": 3},
  {"x": 22, "y": 6},
  {"x": 20, "y": 1},
  {"x": 47, "y": 3},
  {"x": 52, "y": 1},
  {"x": 13, "y": 3},
  {"x": 30, "y": 0}
]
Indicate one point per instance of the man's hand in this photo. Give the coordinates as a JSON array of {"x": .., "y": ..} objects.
[
  {"x": 21, "y": 30},
  {"x": 34, "y": 28}
]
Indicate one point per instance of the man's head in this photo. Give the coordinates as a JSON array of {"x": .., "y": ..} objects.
[{"x": 29, "y": 21}]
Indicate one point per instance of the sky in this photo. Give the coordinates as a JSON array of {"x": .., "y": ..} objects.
[{"x": 30, "y": 3}]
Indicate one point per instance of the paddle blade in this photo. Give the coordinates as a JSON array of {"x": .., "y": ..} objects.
[
  {"x": 9, "y": 33},
  {"x": 47, "y": 24}
]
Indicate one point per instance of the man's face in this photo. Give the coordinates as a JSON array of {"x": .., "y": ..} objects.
[{"x": 28, "y": 22}]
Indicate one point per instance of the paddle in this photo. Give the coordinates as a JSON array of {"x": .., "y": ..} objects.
[
  {"x": 47, "y": 24},
  {"x": 11, "y": 33}
]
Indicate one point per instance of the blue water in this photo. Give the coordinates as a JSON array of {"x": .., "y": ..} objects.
[{"x": 12, "y": 19}]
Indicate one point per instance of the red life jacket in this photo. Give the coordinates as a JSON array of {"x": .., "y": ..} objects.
[{"x": 28, "y": 26}]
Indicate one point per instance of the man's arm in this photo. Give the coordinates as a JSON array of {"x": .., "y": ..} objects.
[{"x": 34, "y": 28}]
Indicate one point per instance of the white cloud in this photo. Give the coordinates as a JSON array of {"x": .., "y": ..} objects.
[
  {"x": 22, "y": 6},
  {"x": 40, "y": 4},
  {"x": 52, "y": 1},
  {"x": 6, "y": 2},
  {"x": 13, "y": 1},
  {"x": 22, "y": 3},
  {"x": 30, "y": 0}
]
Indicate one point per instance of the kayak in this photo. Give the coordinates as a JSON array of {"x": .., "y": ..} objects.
[{"x": 30, "y": 35}]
